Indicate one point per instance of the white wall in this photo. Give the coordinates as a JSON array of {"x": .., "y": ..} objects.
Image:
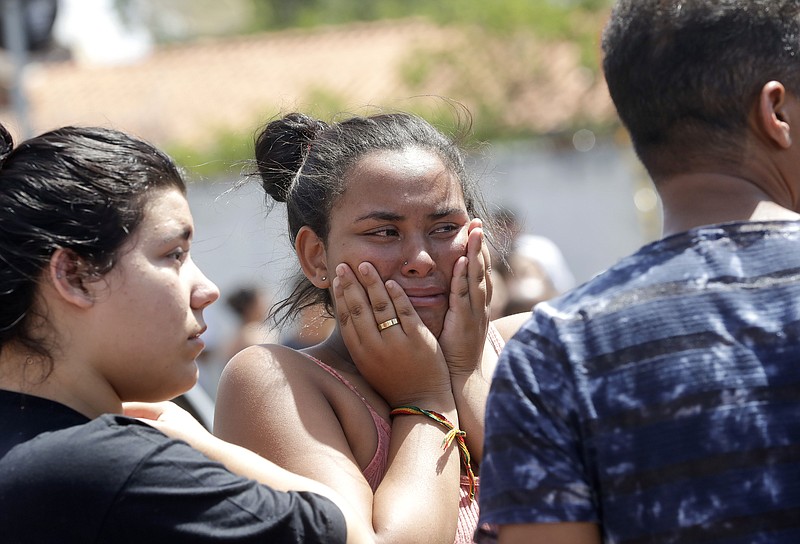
[{"x": 583, "y": 201}]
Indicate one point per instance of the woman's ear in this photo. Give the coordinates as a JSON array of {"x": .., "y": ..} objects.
[
  {"x": 311, "y": 253},
  {"x": 66, "y": 272},
  {"x": 773, "y": 114}
]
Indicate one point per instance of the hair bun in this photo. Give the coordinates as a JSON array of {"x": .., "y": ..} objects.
[
  {"x": 6, "y": 144},
  {"x": 280, "y": 150}
]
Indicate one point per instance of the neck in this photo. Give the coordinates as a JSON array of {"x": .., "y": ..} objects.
[
  {"x": 694, "y": 200},
  {"x": 33, "y": 375},
  {"x": 333, "y": 352}
]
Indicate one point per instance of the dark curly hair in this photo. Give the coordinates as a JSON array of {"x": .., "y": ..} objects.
[
  {"x": 81, "y": 189},
  {"x": 304, "y": 162},
  {"x": 684, "y": 74}
]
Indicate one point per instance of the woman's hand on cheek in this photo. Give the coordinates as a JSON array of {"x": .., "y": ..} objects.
[
  {"x": 467, "y": 320},
  {"x": 403, "y": 362}
]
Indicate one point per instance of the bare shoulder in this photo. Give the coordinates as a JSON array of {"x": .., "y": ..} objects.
[
  {"x": 263, "y": 386},
  {"x": 264, "y": 365},
  {"x": 278, "y": 403},
  {"x": 508, "y": 326}
]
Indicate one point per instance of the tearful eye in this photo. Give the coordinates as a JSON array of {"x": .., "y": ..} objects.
[
  {"x": 384, "y": 232},
  {"x": 446, "y": 228}
]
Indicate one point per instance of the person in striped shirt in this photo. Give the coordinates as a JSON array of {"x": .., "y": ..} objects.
[{"x": 659, "y": 401}]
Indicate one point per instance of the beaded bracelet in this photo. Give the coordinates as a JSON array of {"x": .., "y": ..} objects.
[{"x": 452, "y": 433}]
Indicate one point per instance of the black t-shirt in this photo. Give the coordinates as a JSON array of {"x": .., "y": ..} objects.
[{"x": 67, "y": 479}]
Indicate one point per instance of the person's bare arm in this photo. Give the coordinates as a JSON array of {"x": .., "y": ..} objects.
[
  {"x": 177, "y": 423},
  {"x": 472, "y": 389},
  {"x": 508, "y": 326},
  {"x": 471, "y": 358},
  {"x": 550, "y": 533},
  {"x": 268, "y": 402},
  {"x": 417, "y": 501}
]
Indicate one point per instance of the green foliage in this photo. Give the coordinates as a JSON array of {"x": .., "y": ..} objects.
[
  {"x": 550, "y": 18},
  {"x": 227, "y": 153},
  {"x": 230, "y": 150},
  {"x": 323, "y": 104},
  {"x": 488, "y": 72}
]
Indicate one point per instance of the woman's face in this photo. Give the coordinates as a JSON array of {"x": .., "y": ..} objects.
[
  {"x": 404, "y": 212},
  {"x": 149, "y": 309}
]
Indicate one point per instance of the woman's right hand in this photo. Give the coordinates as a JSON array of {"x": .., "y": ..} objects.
[
  {"x": 404, "y": 363},
  {"x": 417, "y": 500},
  {"x": 170, "y": 419}
]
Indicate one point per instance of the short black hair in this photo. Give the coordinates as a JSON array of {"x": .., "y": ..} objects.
[
  {"x": 684, "y": 74},
  {"x": 83, "y": 189}
]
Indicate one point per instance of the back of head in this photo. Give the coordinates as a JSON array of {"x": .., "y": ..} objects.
[
  {"x": 684, "y": 74},
  {"x": 81, "y": 189},
  {"x": 304, "y": 162}
]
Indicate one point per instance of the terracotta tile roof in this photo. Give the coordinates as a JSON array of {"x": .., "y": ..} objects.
[{"x": 183, "y": 93}]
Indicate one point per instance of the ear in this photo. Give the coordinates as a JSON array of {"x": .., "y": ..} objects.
[
  {"x": 313, "y": 258},
  {"x": 66, "y": 272},
  {"x": 773, "y": 114}
]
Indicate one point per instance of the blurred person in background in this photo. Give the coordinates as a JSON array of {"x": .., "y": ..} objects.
[
  {"x": 250, "y": 306},
  {"x": 533, "y": 270}
]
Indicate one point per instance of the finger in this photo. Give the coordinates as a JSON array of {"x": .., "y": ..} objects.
[
  {"x": 459, "y": 285},
  {"x": 341, "y": 282},
  {"x": 353, "y": 306},
  {"x": 406, "y": 314},
  {"x": 487, "y": 259},
  {"x": 382, "y": 308},
  {"x": 479, "y": 260},
  {"x": 486, "y": 256},
  {"x": 146, "y": 410}
]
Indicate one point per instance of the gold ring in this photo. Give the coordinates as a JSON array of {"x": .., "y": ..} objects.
[{"x": 388, "y": 323}]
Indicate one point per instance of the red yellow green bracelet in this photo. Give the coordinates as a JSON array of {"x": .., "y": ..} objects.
[{"x": 452, "y": 434}]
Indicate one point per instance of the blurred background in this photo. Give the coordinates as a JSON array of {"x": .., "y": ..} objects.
[{"x": 199, "y": 77}]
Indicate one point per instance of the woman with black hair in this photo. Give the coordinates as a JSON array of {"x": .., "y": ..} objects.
[{"x": 101, "y": 303}]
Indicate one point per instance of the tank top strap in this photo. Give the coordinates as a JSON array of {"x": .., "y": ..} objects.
[
  {"x": 376, "y": 469},
  {"x": 329, "y": 369},
  {"x": 495, "y": 339}
]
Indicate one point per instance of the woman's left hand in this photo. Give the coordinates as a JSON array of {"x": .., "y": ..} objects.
[{"x": 464, "y": 334}]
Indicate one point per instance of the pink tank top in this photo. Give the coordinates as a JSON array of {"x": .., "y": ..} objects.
[{"x": 376, "y": 469}]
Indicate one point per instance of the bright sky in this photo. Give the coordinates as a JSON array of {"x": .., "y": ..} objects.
[{"x": 96, "y": 35}]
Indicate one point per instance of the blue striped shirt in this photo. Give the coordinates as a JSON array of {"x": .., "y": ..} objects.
[{"x": 661, "y": 399}]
